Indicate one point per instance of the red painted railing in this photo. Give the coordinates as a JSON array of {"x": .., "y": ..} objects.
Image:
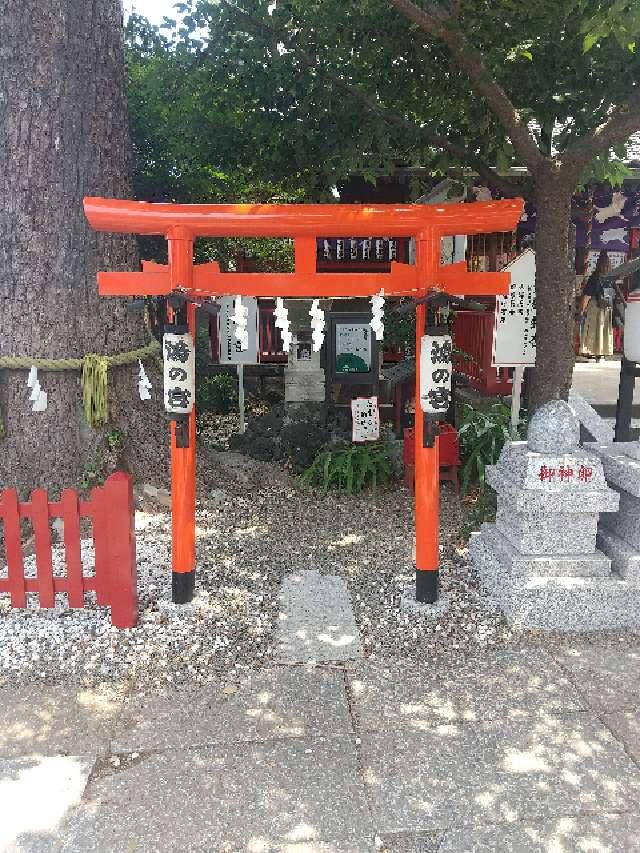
[
  {"x": 111, "y": 510},
  {"x": 473, "y": 335}
]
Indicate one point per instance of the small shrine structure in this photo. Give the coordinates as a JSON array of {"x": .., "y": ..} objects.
[{"x": 185, "y": 283}]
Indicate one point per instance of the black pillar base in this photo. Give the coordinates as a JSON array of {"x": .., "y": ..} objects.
[
  {"x": 183, "y": 585},
  {"x": 427, "y": 586}
]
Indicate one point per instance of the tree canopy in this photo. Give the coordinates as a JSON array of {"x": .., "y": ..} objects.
[{"x": 252, "y": 99}]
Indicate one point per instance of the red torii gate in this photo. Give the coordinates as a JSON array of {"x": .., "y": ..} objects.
[{"x": 304, "y": 223}]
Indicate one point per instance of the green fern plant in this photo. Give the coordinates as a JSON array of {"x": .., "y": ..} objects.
[
  {"x": 350, "y": 467},
  {"x": 482, "y": 436}
]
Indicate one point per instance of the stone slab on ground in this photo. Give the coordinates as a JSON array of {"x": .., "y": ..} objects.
[
  {"x": 424, "y": 842},
  {"x": 555, "y": 603},
  {"x": 506, "y": 684},
  {"x": 625, "y": 726},
  {"x": 247, "y": 797},
  {"x": 409, "y": 604},
  {"x": 316, "y": 621},
  {"x": 605, "y": 833},
  {"x": 57, "y": 720},
  {"x": 607, "y": 676},
  {"x": 625, "y": 559},
  {"x": 504, "y": 770},
  {"x": 36, "y": 794},
  {"x": 271, "y": 703}
]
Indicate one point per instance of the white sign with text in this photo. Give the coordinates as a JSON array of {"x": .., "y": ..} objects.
[{"x": 514, "y": 333}]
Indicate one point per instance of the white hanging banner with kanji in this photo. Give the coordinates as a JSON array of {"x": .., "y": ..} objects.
[
  {"x": 366, "y": 419},
  {"x": 436, "y": 352},
  {"x": 179, "y": 373}
]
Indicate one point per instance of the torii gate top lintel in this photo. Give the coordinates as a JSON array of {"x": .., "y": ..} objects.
[{"x": 304, "y": 223}]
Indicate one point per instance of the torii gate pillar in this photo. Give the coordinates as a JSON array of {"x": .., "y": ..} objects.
[{"x": 183, "y": 459}]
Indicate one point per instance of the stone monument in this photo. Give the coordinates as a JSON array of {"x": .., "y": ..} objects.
[
  {"x": 619, "y": 534},
  {"x": 540, "y": 561},
  {"x": 304, "y": 380}
]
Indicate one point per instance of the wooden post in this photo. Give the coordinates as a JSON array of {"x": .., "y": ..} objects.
[
  {"x": 243, "y": 424},
  {"x": 183, "y": 459},
  {"x": 42, "y": 535},
  {"x": 70, "y": 514},
  {"x": 516, "y": 396},
  {"x": 427, "y": 470},
  {"x": 10, "y": 514},
  {"x": 121, "y": 544}
]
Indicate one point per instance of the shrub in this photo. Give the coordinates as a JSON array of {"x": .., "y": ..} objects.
[
  {"x": 294, "y": 436},
  {"x": 482, "y": 434},
  {"x": 217, "y": 394},
  {"x": 350, "y": 467}
]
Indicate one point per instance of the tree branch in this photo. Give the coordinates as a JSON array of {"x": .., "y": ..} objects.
[
  {"x": 504, "y": 185},
  {"x": 470, "y": 60},
  {"x": 623, "y": 122}
]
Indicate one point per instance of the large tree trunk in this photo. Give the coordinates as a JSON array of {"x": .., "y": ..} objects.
[
  {"x": 63, "y": 135},
  {"x": 555, "y": 290}
]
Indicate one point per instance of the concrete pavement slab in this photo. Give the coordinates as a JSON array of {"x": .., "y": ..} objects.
[
  {"x": 604, "y": 833},
  {"x": 363, "y": 845},
  {"x": 57, "y": 720},
  {"x": 426, "y": 842},
  {"x": 503, "y": 770},
  {"x": 316, "y": 621},
  {"x": 272, "y": 703},
  {"x": 504, "y": 684},
  {"x": 625, "y": 726},
  {"x": 607, "y": 676},
  {"x": 36, "y": 793},
  {"x": 246, "y": 797}
]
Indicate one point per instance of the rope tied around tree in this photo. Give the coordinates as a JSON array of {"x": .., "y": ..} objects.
[{"x": 94, "y": 375}]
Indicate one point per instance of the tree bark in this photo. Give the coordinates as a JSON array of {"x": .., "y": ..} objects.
[
  {"x": 64, "y": 134},
  {"x": 555, "y": 289}
]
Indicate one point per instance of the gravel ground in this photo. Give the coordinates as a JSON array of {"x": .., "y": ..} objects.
[{"x": 255, "y": 523}]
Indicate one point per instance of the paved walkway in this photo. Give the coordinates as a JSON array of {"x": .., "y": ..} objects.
[
  {"x": 519, "y": 751},
  {"x": 598, "y": 383}
]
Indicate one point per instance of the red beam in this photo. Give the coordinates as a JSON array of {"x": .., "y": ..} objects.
[
  {"x": 403, "y": 281},
  {"x": 302, "y": 220}
]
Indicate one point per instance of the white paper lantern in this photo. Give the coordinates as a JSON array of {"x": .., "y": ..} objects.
[
  {"x": 632, "y": 327},
  {"x": 179, "y": 373},
  {"x": 436, "y": 352}
]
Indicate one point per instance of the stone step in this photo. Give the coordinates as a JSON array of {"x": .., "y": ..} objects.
[
  {"x": 554, "y": 603},
  {"x": 316, "y": 620},
  {"x": 594, "y": 565},
  {"x": 625, "y": 558}
]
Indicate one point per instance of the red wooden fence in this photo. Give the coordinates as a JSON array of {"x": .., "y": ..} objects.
[
  {"x": 111, "y": 510},
  {"x": 473, "y": 334}
]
